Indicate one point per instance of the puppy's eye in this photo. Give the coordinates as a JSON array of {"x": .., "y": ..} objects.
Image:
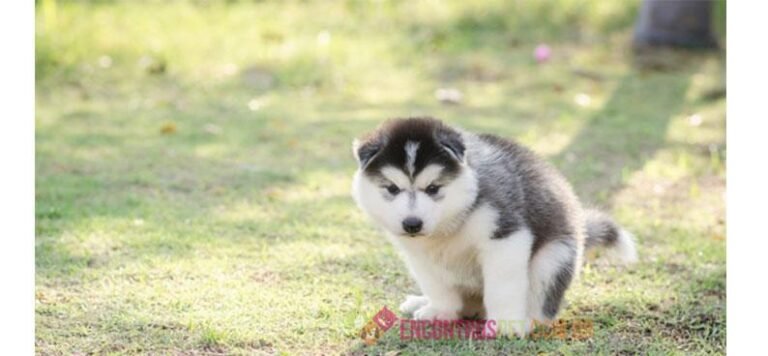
[
  {"x": 393, "y": 189},
  {"x": 432, "y": 189}
]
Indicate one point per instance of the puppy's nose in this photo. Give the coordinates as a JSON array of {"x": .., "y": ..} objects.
[{"x": 412, "y": 225}]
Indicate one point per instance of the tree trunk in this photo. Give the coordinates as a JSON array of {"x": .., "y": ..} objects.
[{"x": 672, "y": 23}]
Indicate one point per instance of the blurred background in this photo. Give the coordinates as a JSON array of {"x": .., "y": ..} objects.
[{"x": 193, "y": 161}]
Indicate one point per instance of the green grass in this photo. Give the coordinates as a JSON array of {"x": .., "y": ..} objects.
[{"x": 234, "y": 232}]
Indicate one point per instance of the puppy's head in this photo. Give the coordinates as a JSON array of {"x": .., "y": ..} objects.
[{"x": 412, "y": 177}]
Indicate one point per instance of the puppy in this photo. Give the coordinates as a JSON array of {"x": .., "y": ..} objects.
[{"x": 486, "y": 228}]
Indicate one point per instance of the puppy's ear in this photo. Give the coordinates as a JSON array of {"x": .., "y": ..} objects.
[
  {"x": 366, "y": 149},
  {"x": 452, "y": 142}
]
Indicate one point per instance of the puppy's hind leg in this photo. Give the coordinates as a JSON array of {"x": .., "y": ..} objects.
[
  {"x": 552, "y": 269},
  {"x": 506, "y": 284}
]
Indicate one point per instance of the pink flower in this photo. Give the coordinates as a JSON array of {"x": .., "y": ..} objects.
[{"x": 542, "y": 53}]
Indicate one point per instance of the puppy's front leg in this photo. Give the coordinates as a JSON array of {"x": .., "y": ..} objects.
[
  {"x": 505, "y": 278},
  {"x": 441, "y": 301}
]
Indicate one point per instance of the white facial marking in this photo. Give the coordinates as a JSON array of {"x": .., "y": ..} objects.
[
  {"x": 410, "y": 153},
  {"x": 428, "y": 175},
  {"x": 396, "y": 176},
  {"x": 438, "y": 213}
]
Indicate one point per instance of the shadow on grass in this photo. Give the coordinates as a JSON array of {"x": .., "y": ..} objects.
[{"x": 616, "y": 142}]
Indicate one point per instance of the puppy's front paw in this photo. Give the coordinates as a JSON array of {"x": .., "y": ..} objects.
[
  {"x": 509, "y": 328},
  {"x": 429, "y": 312},
  {"x": 412, "y": 303}
]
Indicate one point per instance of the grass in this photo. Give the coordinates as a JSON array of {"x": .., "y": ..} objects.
[{"x": 193, "y": 168}]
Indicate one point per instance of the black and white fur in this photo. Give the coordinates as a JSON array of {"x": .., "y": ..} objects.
[{"x": 486, "y": 228}]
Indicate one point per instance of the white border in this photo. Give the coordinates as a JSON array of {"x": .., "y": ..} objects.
[
  {"x": 747, "y": 78},
  {"x": 17, "y": 92}
]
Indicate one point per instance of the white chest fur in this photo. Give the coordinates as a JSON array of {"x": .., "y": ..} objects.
[{"x": 453, "y": 259}]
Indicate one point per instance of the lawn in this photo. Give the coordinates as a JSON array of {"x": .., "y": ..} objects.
[{"x": 193, "y": 168}]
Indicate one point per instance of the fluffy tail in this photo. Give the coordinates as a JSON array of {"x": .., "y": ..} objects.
[{"x": 603, "y": 231}]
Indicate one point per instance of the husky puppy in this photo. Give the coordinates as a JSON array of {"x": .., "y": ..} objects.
[{"x": 486, "y": 228}]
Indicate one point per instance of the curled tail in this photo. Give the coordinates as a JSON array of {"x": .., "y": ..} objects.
[{"x": 603, "y": 231}]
